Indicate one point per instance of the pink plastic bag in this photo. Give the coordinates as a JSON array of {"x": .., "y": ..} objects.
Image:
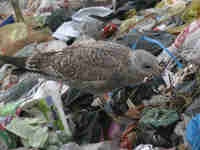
[{"x": 190, "y": 29}]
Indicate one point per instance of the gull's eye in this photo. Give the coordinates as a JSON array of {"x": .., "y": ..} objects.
[{"x": 147, "y": 66}]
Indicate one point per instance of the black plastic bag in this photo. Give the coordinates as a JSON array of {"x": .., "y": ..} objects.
[
  {"x": 91, "y": 127},
  {"x": 156, "y": 127}
]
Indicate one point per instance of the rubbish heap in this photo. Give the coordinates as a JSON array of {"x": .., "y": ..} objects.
[{"x": 162, "y": 113}]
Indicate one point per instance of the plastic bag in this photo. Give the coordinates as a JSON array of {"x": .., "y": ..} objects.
[
  {"x": 25, "y": 84},
  {"x": 36, "y": 135},
  {"x": 132, "y": 37},
  {"x": 158, "y": 117},
  {"x": 194, "y": 108},
  {"x": 138, "y": 22},
  {"x": 192, "y": 12},
  {"x": 16, "y": 36},
  {"x": 188, "y": 38},
  {"x": 83, "y": 14},
  {"x": 49, "y": 93},
  {"x": 9, "y": 20},
  {"x": 88, "y": 127},
  {"x": 73, "y": 100},
  {"x": 192, "y": 132},
  {"x": 186, "y": 44},
  {"x": 66, "y": 31}
]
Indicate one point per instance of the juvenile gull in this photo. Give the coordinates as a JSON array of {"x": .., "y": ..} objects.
[{"x": 92, "y": 66}]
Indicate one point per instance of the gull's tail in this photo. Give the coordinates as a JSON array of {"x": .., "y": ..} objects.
[{"x": 19, "y": 62}]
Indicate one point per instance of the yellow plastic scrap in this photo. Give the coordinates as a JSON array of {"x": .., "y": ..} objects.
[
  {"x": 131, "y": 13},
  {"x": 163, "y": 3},
  {"x": 177, "y": 8},
  {"x": 160, "y": 5},
  {"x": 170, "y": 1},
  {"x": 192, "y": 12},
  {"x": 177, "y": 30},
  {"x": 124, "y": 27},
  {"x": 172, "y": 7}
]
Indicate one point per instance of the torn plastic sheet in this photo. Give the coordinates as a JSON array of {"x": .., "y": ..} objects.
[
  {"x": 83, "y": 14},
  {"x": 169, "y": 78},
  {"x": 66, "y": 31},
  {"x": 25, "y": 128}
]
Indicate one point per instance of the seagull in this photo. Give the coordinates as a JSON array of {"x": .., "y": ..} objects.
[
  {"x": 95, "y": 67},
  {"x": 92, "y": 66}
]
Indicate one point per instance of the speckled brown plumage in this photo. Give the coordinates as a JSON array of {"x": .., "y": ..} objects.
[{"x": 92, "y": 66}]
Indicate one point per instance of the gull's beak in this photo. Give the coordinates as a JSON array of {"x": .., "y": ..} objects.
[{"x": 158, "y": 70}]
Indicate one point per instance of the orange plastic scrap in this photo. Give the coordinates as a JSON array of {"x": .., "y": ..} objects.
[
  {"x": 4, "y": 15},
  {"x": 126, "y": 143},
  {"x": 140, "y": 107},
  {"x": 128, "y": 137},
  {"x": 130, "y": 128},
  {"x": 106, "y": 97}
]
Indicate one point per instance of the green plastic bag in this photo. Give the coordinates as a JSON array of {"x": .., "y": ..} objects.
[{"x": 158, "y": 117}]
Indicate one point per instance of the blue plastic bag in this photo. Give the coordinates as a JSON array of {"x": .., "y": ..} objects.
[
  {"x": 9, "y": 20},
  {"x": 193, "y": 133},
  {"x": 161, "y": 45}
]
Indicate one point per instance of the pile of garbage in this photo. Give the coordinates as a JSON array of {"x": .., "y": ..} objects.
[{"x": 160, "y": 114}]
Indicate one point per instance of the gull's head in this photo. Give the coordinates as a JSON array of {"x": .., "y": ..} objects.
[{"x": 146, "y": 63}]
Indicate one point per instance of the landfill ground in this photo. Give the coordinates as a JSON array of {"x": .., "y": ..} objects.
[{"x": 99, "y": 74}]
